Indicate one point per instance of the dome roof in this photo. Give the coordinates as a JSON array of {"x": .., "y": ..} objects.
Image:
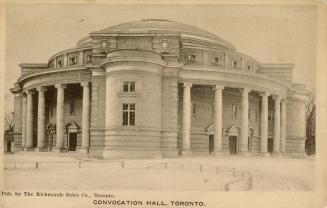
[{"x": 161, "y": 26}]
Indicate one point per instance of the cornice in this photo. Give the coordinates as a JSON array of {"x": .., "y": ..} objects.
[
  {"x": 70, "y": 50},
  {"x": 65, "y": 69},
  {"x": 33, "y": 65},
  {"x": 253, "y": 75}
]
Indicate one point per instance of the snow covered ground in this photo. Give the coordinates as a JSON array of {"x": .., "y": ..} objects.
[{"x": 74, "y": 172}]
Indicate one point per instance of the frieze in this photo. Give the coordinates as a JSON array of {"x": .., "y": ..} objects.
[
  {"x": 166, "y": 45},
  {"x": 104, "y": 45}
]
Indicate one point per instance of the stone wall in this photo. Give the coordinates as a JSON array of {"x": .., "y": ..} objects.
[
  {"x": 169, "y": 116},
  {"x": 295, "y": 126},
  {"x": 144, "y": 138},
  {"x": 97, "y": 118}
]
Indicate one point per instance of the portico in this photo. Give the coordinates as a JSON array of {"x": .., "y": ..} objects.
[
  {"x": 45, "y": 115},
  {"x": 220, "y": 125}
]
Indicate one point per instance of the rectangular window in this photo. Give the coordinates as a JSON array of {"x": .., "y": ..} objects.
[
  {"x": 271, "y": 116},
  {"x": 192, "y": 58},
  {"x": 72, "y": 108},
  {"x": 235, "y": 64},
  {"x": 129, "y": 86},
  {"x": 132, "y": 86},
  {"x": 128, "y": 114},
  {"x": 87, "y": 57},
  {"x": 52, "y": 64},
  {"x": 60, "y": 63},
  {"x": 72, "y": 60},
  {"x": 217, "y": 61},
  {"x": 234, "y": 111},
  {"x": 193, "y": 108},
  {"x": 51, "y": 110}
]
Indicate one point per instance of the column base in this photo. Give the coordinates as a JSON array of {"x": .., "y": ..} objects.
[
  {"x": 169, "y": 154},
  {"x": 41, "y": 149},
  {"x": 83, "y": 150},
  {"x": 296, "y": 155},
  {"x": 244, "y": 153},
  {"x": 59, "y": 149},
  {"x": 264, "y": 154},
  {"x": 218, "y": 153},
  {"x": 29, "y": 149},
  {"x": 50, "y": 149},
  {"x": 186, "y": 153},
  {"x": 20, "y": 148},
  {"x": 276, "y": 154}
]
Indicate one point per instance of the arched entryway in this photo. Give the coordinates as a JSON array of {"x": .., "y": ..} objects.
[
  {"x": 72, "y": 130},
  {"x": 233, "y": 139},
  {"x": 211, "y": 136},
  {"x": 250, "y": 139}
]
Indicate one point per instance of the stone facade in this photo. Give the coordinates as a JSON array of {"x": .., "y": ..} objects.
[{"x": 158, "y": 89}]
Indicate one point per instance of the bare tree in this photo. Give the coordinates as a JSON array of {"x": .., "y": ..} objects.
[
  {"x": 9, "y": 121},
  {"x": 310, "y": 142}
]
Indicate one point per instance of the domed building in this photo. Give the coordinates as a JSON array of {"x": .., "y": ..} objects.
[{"x": 158, "y": 88}]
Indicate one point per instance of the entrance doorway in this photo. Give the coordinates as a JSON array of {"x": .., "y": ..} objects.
[
  {"x": 233, "y": 145},
  {"x": 211, "y": 143},
  {"x": 72, "y": 141},
  {"x": 270, "y": 145},
  {"x": 8, "y": 146}
]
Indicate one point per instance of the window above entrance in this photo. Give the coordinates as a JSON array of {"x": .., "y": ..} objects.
[{"x": 128, "y": 86}]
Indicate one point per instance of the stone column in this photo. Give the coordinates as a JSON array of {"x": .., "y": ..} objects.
[
  {"x": 282, "y": 125},
  {"x": 60, "y": 118},
  {"x": 276, "y": 142},
  {"x": 264, "y": 124},
  {"x": 227, "y": 66},
  {"x": 41, "y": 120},
  {"x": 29, "y": 120},
  {"x": 245, "y": 121},
  {"x": 80, "y": 58},
  {"x": 24, "y": 112},
  {"x": 243, "y": 64},
  {"x": 65, "y": 60},
  {"x": 218, "y": 119},
  {"x": 85, "y": 118},
  {"x": 186, "y": 117}
]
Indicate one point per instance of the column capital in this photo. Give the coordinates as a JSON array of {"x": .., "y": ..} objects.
[
  {"x": 30, "y": 92},
  {"x": 63, "y": 86},
  {"x": 276, "y": 97},
  {"x": 283, "y": 100},
  {"x": 219, "y": 87},
  {"x": 187, "y": 84},
  {"x": 84, "y": 84},
  {"x": 18, "y": 94},
  {"x": 41, "y": 88},
  {"x": 245, "y": 90},
  {"x": 265, "y": 93}
]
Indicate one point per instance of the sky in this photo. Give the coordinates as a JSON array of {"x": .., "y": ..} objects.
[{"x": 270, "y": 34}]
